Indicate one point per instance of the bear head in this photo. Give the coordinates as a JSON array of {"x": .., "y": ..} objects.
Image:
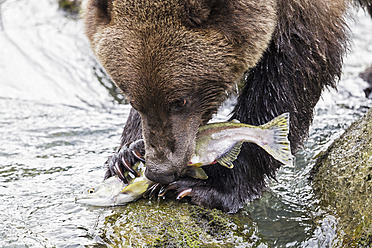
[{"x": 176, "y": 60}]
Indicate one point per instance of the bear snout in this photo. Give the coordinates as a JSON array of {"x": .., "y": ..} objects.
[{"x": 160, "y": 174}]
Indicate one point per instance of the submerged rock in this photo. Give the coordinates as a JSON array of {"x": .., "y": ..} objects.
[
  {"x": 342, "y": 179},
  {"x": 168, "y": 223},
  {"x": 367, "y": 76},
  {"x": 70, "y": 6}
]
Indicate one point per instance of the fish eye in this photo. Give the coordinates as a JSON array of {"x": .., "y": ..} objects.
[{"x": 91, "y": 190}]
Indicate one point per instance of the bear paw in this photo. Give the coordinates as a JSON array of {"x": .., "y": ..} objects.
[
  {"x": 201, "y": 193},
  {"x": 124, "y": 159}
]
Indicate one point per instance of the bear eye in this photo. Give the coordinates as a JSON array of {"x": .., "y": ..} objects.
[{"x": 179, "y": 103}]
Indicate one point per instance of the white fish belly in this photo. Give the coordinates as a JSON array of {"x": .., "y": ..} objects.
[{"x": 254, "y": 135}]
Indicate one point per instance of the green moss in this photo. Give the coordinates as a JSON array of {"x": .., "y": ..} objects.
[
  {"x": 71, "y": 6},
  {"x": 167, "y": 223},
  {"x": 213, "y": 221},
  {"x": 342, "y": 181}
]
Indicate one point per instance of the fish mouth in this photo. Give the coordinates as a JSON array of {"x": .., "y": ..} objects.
[
  {"x": 97, "y": 202},
  {"x": 104, "y": 194},
  {"x": 112, "y": 192}
]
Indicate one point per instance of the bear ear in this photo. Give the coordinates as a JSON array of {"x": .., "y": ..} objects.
[
  {"x": 198, "y": 11},
  {"x": 96, "y": 13}
]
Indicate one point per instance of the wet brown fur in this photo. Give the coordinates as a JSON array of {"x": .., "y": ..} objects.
[{"x": 171, "y": 47}]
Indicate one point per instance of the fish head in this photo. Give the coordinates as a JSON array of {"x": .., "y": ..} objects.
[{"x": 108, "y": 193}]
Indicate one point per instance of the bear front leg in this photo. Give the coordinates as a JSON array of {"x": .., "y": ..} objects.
[
  {"x": 131, "y": 150},
  {"x": 202, "y": 193}
]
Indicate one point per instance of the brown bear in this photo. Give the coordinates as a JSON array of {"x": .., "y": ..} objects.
[{"x": 177, "y": 60}]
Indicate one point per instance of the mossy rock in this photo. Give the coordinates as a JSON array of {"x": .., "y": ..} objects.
[
  {"x": 70, "y": 6},
  {"x": 169, "y": 223},
  {"x": 342, "y": 178}
]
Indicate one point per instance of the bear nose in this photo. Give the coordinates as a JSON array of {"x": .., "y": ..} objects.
[{"x": 161, "y": 176}]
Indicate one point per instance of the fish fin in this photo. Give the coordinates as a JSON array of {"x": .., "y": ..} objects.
[
  {"x": 279, "y": 147},
  {"x": 196, "y": 165},
  {"x": 228, "y": 157},
  {"x": 196, "y": 172},
  {"x": 137, "y": 188}
]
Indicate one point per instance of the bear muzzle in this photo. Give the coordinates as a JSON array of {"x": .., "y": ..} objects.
[{"x": 161, "y": 174}]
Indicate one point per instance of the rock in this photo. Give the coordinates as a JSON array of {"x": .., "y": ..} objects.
[
  {"x": 367, "y": 76},
  {"x": 70, "y": 6},
  {"x": 169, "y": 223},
  {"x": 342, "y": 179}
]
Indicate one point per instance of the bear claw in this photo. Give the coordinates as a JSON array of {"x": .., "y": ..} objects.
[
  {"x": 123, "y": 160},
  {"x": 151, "y": 192},
  {"x": 138, "y": 156},
  {"x": 118, "y": 172},
  {"x": 166, "y": 188},
  {"x": 129, "y": 167},
  {"x": 184, "y": 193}
]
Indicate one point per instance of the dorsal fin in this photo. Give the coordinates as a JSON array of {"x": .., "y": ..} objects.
[
  {"x": 195, "y": 172},
  {"x": 228, "y": 157}
]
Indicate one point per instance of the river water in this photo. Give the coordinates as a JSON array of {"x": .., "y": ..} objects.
[{"x": 60, "y": 118}]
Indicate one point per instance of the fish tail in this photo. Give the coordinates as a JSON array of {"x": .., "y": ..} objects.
[{"x": 279, "y": 147}]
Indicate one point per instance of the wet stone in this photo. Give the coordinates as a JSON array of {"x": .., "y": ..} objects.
[
  {"x": 169, "y": 223},
  {"x": 342, "y": 181},
  {"x": 70, "y": 6}
]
